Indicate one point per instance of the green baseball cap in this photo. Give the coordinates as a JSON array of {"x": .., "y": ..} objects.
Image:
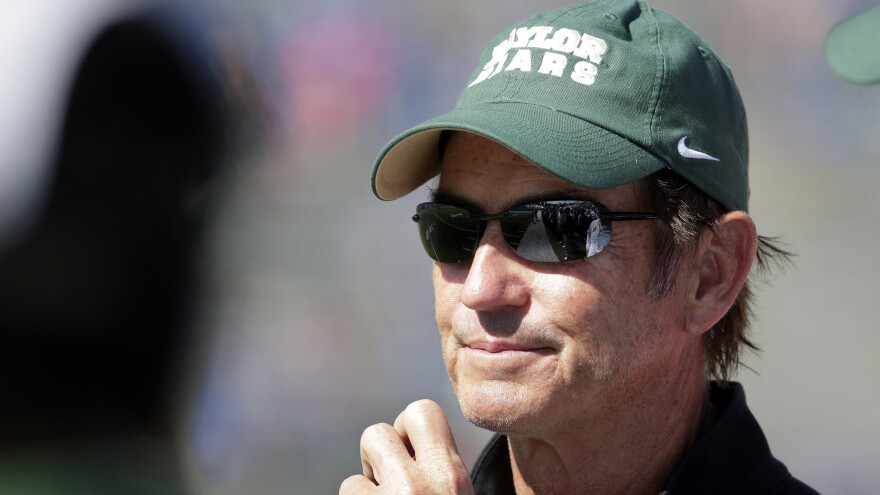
[
  {"x": 599, "y": 94},
  {"x": 853, "y": 48}
]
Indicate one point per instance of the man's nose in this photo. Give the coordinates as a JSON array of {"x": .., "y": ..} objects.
[{"x": 495, "y": 276}]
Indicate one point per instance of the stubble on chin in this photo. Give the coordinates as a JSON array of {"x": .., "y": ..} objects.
[
  {"x": 493, "y": 407},
  {"x": 500, "y": 405}
]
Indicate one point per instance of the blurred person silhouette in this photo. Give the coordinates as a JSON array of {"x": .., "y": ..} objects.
[
  {"x": 853, "y": 48},
  {"x": 105, "y": 198}
]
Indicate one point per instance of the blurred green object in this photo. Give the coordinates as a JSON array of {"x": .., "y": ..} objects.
[
  {"x": 853, "y": 48},
  {"x": 129, "y": 466}
]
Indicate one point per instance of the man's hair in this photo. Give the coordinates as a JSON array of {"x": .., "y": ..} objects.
[{"x": 685, "y": 211}]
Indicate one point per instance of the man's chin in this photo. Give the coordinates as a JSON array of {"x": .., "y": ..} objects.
[{"x": 497, "y": 406}]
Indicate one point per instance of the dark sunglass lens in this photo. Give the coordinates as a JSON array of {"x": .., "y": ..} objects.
[
  {"x": 449, "y": 234},
  {"x": 525, "y": 233},
  {"x": 556, "y": 232}
]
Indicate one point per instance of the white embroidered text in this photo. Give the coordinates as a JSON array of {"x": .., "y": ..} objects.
[{"x": 554, "y": 50}]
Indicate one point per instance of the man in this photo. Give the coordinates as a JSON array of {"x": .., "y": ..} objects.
[{"x": 591, "y": 248}]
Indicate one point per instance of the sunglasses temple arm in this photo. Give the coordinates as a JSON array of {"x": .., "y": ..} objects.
[{"x": 625, "y": 215}]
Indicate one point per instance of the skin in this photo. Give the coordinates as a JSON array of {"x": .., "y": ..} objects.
[{"x": 598, "y": 386}]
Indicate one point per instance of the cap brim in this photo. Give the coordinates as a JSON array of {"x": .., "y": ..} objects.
[
  {"x": 853, "y": 48},
  {"x": 568, "y": 147}
]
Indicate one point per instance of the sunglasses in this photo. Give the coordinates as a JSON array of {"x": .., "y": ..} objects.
[{"x": 546, "y": 231}]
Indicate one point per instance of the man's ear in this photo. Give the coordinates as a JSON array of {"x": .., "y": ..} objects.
[{"x": 721, "y": 266}]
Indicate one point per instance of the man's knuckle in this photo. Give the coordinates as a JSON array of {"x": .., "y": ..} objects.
[
  {"x": 351, "y": 484},
  {"x": 456, "y": 481},
  {"x": 436, "y": 454},
  {"x": 423, "y": 406},
  {"x": 376, "y": 432},
  {"x": 348, "y": 483},
  {"x": 424, "y": 488}
]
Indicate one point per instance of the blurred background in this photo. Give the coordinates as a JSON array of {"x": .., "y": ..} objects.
[{"x": 314, "y": 314}]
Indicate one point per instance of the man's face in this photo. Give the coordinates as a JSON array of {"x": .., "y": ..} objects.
[{"x": 534, "y": 348}]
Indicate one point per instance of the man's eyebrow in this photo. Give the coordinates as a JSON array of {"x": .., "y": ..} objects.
[
  {"x": 452, "y": 199},
  {"x": 446, "y": 197},
  {"x": 578, "y": 194}
]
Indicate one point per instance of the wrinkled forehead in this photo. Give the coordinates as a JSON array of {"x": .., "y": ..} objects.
[
  {"x": 484, "y": 174},
  {"x": 462, "y": 151}
]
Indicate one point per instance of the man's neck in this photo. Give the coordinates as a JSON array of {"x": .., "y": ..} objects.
[{"x": 632, "y": 453}]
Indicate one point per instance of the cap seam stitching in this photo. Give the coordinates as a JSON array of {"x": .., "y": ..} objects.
[{"x": 657, "y": 91}]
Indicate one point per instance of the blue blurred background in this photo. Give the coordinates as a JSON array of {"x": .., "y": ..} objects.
[{"x": 317, "y": 319}]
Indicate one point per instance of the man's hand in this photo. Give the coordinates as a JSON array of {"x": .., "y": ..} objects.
[{"x": 416, "y": 455}]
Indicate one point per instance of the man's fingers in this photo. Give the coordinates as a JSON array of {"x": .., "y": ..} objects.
[
  {"x": 401, "y": 430},
  {"x": 391, "y": 467},
  {"x": 424, "y": 425},
  {"x": 357, "y": 484},
  {"x": 383, "y": 453}
]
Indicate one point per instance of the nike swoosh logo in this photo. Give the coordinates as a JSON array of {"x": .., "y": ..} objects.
[{"x": 686, "y": 152}]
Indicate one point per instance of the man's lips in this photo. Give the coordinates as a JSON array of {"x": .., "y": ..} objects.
[
  {"x": 501, "y": 359},
  {"x": 495, "y": 347}
]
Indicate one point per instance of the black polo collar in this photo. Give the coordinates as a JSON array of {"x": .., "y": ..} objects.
[{"x": 731, "y": 458}]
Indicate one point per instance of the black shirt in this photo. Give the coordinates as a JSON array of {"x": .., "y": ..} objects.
[{"x": 731, "y": 458}]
